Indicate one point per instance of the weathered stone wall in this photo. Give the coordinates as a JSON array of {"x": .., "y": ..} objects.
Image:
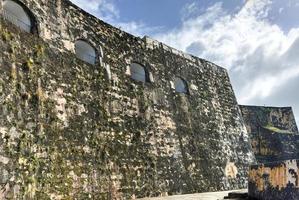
[
  {"x": 69, "y": 130},
  {"x": 275, "y": 181},
  {"x": 273, "y": 132}
]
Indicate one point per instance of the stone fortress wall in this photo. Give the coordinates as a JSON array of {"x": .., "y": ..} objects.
[
  {"x": 74, "y": 130},
  {"x": 275, "y": 141},
  {"x": 273, "y": 132}
]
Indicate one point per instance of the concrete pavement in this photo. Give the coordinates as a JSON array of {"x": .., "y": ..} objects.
[{"x": 199, "y": 196}]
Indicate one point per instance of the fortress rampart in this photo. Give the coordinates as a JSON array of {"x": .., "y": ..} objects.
[{"x": 141, "y": 119}]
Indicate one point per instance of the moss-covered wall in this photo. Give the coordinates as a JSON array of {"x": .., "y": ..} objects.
[
  {"x": 273, "y": 132},
  {"x": 70, "y": 130}
]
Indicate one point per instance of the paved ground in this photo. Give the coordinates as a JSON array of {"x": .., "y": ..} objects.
[{"x": 200, "y": 196}]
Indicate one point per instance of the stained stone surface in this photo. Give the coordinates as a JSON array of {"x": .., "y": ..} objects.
[
  {"x": 275, "y": 181},
  {"x": 273, "y": 132},
  {"x": 71, "y": 130}
]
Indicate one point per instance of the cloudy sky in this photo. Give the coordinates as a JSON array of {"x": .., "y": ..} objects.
[{"x": 257, "y": 41}]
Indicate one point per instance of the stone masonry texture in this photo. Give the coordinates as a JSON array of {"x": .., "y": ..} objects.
[
  {"x": 71, "y": 130},
  {"x": 273, "y": 132},
  {"x": 275, "y": 181}
]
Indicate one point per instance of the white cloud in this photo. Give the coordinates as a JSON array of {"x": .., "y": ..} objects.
[
  {"x": 262, "y": 59},
  {"x": 103, "y": 9},
  {"x": 189, "y": 10},
  {"x": 136, "y": 28}
]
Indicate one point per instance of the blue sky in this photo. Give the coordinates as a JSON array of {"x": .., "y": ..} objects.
[
  {"x": 164, "y": 13},
  {"x": 257, "y": 41}
]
